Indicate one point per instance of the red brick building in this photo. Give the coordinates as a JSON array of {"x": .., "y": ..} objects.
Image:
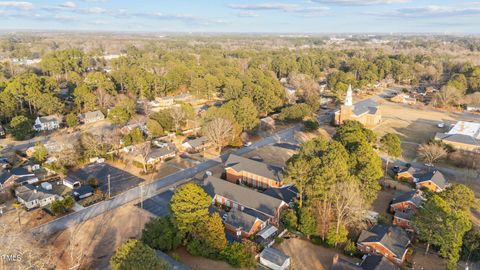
[
  {"x": 386, "y": 240},
  {"x": 253, "y": 173}
]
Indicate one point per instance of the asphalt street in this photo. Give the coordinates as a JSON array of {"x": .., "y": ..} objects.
[{"x": 153, "y": 188}]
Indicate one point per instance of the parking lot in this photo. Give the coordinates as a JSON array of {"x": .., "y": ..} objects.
[
  {"x": 120, "y": 180},
  {"x": 158, "y": 204}
]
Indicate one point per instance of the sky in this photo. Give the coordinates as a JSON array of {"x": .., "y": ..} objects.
[{"x": 250, "y": 16}]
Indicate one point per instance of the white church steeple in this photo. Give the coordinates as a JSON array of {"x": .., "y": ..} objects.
[{"x": 349, "y": 98}]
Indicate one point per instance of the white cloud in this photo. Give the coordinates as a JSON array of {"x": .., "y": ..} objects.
[
  {"x": 360, "y": 2},
  {"x": 69, "y": 4},
  {"x": 16, "y": 4},
  {"x": 432, "y": 11},
  {"x": 280, "y": 6},
  {"x": 247, "y": 14}
]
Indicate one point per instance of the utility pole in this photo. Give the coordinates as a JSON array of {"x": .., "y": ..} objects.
[{"x": 109, "y": 194}]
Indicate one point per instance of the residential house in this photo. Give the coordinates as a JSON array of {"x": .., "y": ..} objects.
[
  {"x": 369, "y": 262},
  {"x": 17, "y": 175},
  {"x": 404, "y": 206},
  {"x": 196, "y": 145},
  {"x": 267, "y": 123},
  {"x": 47, "y": 123},
  {"x": 32, "y": 197},
  {"x": 462, "y": 136},
  {"x": 274, "y": 259},
  {"x": 83, "y": 192},
  {"x": 410, "y": 200},
  {"x": 244, "y": 201},
  {"x": 91, "y": 117},
  {"x": 434, "y": 180},
  {"x": 243, "y": 223},
  {"x": 387, "y": 240},
  {"x": 473, "y": 108},
  {"x": 2, "y": 132},
  {"x": 125, "y": 130},
  {"x": 156, "y": 155},
  {"x": 403, "y": 219},
  {"x": 366, "y": 111},
  {"x": 253, "y": 173}
]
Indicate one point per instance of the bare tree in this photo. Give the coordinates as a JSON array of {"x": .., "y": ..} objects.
[
  {"x": 348, "y": 204},
  {"x": 75, "y": 252},
  {"x": 447, "y": 96},
  {"x": 219, "y": 131},
  {"x": 431, "y": 152},
  {"x": 143, "y": 151},
  {"x": 104, "y": 99},
  {"x": 178, "y": 116}
]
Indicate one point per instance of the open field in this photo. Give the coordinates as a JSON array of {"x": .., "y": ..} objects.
[
  {"x": 201, "y": 263},
  {"x": 414, "y": 124},
  {"x": 99, "y": 237}
]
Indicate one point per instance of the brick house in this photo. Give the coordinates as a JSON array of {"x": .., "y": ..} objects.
[
  {"x": 247, "y": 211},
  {"x": 253, "y": 173},
  {"x": 387, "y": 240},
  {"x": 16, "y": 175},
  {"x": 404, "y": 219},
  {"x": 435, "y": 181},
  {"x": 410, "y": 200}
]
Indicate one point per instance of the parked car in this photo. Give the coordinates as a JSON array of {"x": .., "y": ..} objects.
[
  {"x": 396, "y": 169},
  {"x": 441, "y": 125},
  {"x": 247, "y": 144}
]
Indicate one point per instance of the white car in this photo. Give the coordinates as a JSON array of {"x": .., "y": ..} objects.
[
  {"x": 441, "y": 125},
  {"x": 247, "y": 144}
]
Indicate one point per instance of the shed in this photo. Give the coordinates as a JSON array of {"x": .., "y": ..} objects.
[{"x": 274, "y": 259}]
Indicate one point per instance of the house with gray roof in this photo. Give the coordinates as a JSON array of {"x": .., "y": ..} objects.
[
  {"x": 196, "y": 145},
  {"x": 389, "y": 241},
  {"x": 47, "y": 123},
  {"x": 369, "y": 262},
  {"x": 433, "y": 180},
  {"x": 9, "y": 177},
  {"x": 91, "y": 117},
  {"x": 253, "y": 173},
  {"x": 32, "y": 197},
  {"x": 403, "y": 201},
  {"x": 243, "y": 223},
  {"x": 244, "y": 199}
]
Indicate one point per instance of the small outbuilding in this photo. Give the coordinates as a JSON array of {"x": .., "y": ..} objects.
[{"x": 274, "y": 259}]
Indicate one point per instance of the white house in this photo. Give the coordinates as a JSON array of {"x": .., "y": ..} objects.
[
  {"x": 32, "y": 197},
  {"x": 44, "y": 123},
  {"x": 274, "y": 259}
]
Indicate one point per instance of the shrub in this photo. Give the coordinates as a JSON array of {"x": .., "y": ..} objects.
[
  {"x": 289, "y": 219},
  {"x": 134, "y": 255},
  {"x": 238, "y": 255},
  {"x": 162, "y": 234},
  {"x": 334, "y": 238},
  {"x": 311, "y": 125},
  {"x": 350, "y": 248}
]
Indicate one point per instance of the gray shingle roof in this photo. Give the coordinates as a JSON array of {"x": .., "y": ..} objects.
[
  {"x": 435, "y": 176},
  {"x": 161, "y": 152},
  {"x": 392, "y": 237},
  {"x": 240, "y": 219},
  {"x": 342, "y": 264},
  {"x": 197, "y": 142},
  {"x": 274, "y": 255},
  {"x": 365, "y": 106},
  {"x": 286, "y": 194},
  {"x": 4, "y": 176},
  {"x": 457, "y": 138},
  {"x": 407, "y": 215},
  {"x": 239, "y": 164},
  {"x": 49, "y": 118},
  {"x": 28, "y": 194},
  {"x": 410, "y": 196},
  {"x": 376, "y": 262},
  {"x": 244, "y": 196}
]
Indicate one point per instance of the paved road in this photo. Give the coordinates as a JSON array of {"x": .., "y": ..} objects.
[{"x": 153, "y": 188}]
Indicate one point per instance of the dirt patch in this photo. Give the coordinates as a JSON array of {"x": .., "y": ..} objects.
[
  {"x": 306, "y": 256},
  {"x": 98, "y": 238},
  {"x": 431, "y": 261}
]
